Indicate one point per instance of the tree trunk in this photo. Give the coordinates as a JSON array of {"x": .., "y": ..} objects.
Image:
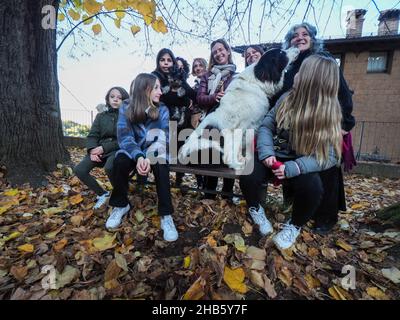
[{"x": 31, "y": 137}]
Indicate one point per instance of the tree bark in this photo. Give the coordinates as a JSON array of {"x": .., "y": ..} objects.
[{"x": 31, "y": 137}]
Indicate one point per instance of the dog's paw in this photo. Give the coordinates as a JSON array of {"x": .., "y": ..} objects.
[{"x": 237, "y": 165}]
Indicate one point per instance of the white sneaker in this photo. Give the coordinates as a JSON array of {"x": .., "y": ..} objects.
[
  {"x": 236, "y": 201},
  {"x": 287, "y": 237},
  {"x": 101, "y": 200},
  {"x": 114, "y": 220},
  {"x": 167, "y": 224},
  {"x": 261, "y": 220}
]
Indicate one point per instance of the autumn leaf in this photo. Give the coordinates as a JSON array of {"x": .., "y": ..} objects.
[
  {"x": 92, "y": 7},
  {"x": 68, "y": 275},
  {"x": 76, "y": 220},
  {"x": 75, "y": 199},
  {"x": 234, "y": 279},
  {"x": 186, "y": 262},
  {"x": 196, "y": 290},
  {"x": 237, "y": 240},
  {"x": 61, "y": 17},
  {"x": 121, "y": 261},
  {"x": 110, "y": 5},
  {"x": 27, "y": 247},
  {"x": 312, "y": 282},
  {"x": 269, "y": 287},
  {"x": 392, "y": 274},
  {"x": 52, "y": 234},
  {"x": 60, "y": 244},
  {"x": 11, "y": 192},
  {"x": 139, "y": 216},
  {"x": 74, "y": 15},
  {"x": 376, "y": 293},
  {"x": 344, "y": 245},
  {"x": 105, "y": 242},
  {"x": 339, "y": 293},
  {"x": 285, "y": 275},
  {"x": 117, "y": 23},
  {"x": 120, "y": 15},
  {"x": 53, "y": 210},
  {"x": 328, "y": 253},
  {"x": 159, "y": 25},
  {"x": 96, "y": 29},
  {"x": 86, "y": 21},
  {"x": 135, "y": 29},
  {"x": 12, "y": 236},
  {"x": 19, "y": 273},
  {"x": 357, "y": 206},
  {"x": 147, "y": 10}
]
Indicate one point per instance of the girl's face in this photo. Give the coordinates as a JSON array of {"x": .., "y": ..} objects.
[
  {"x": 115, "y": 99},
  {"x": 198, "y": 69},
  {"x": 156, "y": 93},
  {"x": 301, "y": 39},
  {"x": 165, "y": 63},
  {"x": 220, "y": 54},
  {"x": 252, "y": 56}
]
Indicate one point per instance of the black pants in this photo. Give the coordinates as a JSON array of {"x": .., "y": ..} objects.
[
  {"x": 212, "y": 182},
  {"x": 314, "y": 195},
  {"x": 82, "y": 171},
  {"x": 123, "y": 166}
]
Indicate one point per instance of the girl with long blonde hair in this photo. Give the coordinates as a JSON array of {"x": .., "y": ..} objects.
[
  {"x": 299, "y": 143},
  {"x": 142, "y": 132}
]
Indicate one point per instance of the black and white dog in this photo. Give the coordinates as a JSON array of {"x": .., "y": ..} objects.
[{"x": 243, "y": 106}]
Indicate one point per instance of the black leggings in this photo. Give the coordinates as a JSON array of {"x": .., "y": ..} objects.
[
  {"x": 315, "y": 195},
  {"x": 123, "y": 166}
]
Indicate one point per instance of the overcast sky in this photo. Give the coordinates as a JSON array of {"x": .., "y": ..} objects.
[{"x": 84, "y": 80}]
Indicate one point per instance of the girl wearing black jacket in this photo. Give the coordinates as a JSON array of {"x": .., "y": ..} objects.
[{"x": 101, "y": 144}]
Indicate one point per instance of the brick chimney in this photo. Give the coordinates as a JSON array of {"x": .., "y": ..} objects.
[
  {"x": 355, "y": 20},
  {"x": 388, "y": 22}
]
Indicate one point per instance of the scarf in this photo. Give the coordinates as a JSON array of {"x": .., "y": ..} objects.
[{"x": 218, "y": 73}]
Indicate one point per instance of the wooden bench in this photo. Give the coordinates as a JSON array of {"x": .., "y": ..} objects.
[{"x": 213, "y": 171}]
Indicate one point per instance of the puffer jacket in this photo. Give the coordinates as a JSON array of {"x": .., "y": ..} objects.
[
  {"x": 148, "y": 139},
  {"x": 104, "y": 132}
]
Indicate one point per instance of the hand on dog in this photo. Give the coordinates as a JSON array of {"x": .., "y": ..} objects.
[
  {"x": 219, "y": 95},
  {"x": 143, "y": 166}
]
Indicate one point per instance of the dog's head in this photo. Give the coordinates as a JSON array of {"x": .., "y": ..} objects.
[
  {"x": 176, "y": 77},
  {"x": 272, "y": 64}
]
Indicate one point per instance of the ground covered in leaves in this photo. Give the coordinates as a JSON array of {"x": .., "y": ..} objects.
[{"x": 54, "y": 246}]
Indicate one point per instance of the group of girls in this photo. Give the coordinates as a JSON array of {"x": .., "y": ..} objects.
[{"x": 299, "y": 141}]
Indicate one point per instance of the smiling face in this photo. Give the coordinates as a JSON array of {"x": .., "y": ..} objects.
[
  {"x": 252, "y": 56},
  {"x": 301, "y": 39},
  {"x": 165, "y": 63},
  {"x": 198, "y": 68},
  {"x": 156, "y": 93},
  {"x": 220, "y": 54},
  {"x": 115, "y": 98}
]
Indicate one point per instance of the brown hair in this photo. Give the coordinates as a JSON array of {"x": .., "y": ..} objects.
[
  {"x": 226, "y": 46},
  {"x": 140, "y": 100}
]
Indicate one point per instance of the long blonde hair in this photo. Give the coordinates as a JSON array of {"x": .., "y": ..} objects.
[
  {"x": 311, "y": 111},
  {"x": 140, "y": 100}
]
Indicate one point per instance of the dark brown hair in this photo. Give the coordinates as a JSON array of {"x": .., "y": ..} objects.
[{"x": 140, "y": 100}]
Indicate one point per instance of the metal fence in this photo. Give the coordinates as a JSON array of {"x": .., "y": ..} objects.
[
  {"x": 377, "y": 141},
  {"x": 372, "y": 141},
  {"x": 77, "y": 123}
]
